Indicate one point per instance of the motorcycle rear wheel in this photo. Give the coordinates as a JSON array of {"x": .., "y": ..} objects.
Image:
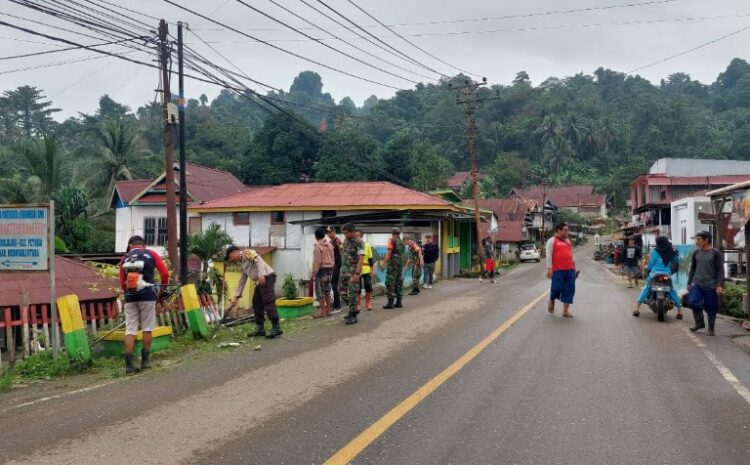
[{"x": 660, "y": 310}]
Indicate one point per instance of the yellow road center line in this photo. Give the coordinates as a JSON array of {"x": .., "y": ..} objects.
[{"x": 374, "y": 431}]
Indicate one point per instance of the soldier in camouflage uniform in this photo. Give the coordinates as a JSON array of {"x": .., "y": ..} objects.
[
  {"x": 416, "y": 263},
  {"x": 394, "y": 265},
  {"x": 352, "y": 258}
]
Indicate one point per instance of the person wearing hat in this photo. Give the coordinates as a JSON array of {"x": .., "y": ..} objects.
[
  {"x": 264, "y": 297},
  {"x": 137, "y": 280},
  {"x": 394, "y": 266},
  {"x": 705, "y": 282}
]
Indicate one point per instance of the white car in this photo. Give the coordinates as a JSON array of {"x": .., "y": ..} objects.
[{"x": 529, "y": 252}]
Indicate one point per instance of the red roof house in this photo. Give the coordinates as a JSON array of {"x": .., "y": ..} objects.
[
  {"x": 140, "y": 205},
  {"x": 378, "y": 195},
  {"x": 460, "y": 178}
]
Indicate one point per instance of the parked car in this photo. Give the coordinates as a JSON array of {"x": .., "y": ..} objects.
[{"x": 529, "y": 252}]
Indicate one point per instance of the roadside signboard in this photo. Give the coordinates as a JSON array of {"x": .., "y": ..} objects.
[{"x": 24, "y": 237}]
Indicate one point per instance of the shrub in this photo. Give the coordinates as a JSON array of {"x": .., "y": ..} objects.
[
  {"x": 289, "y": 287},
  {"x": 732, "y": 304}
]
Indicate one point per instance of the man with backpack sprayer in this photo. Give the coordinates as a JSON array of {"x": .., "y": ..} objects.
[{"x": 137, "y": 269}]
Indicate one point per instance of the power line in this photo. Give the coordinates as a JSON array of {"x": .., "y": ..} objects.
[
  {"x": 276, "y": 47},
  {"x": 341, "y": 52},
  {"x": 60, "y": 63},
  {"x": 407, "y": 57},
  {"x": 64, "y": 49},
  {"x": 533, "y": 28},
  {"x": 690, "y": 50},
  {"x": 410, "y": 42},
  {"x": 340, "y": 39},
  {"x": 503, "y": 17}
]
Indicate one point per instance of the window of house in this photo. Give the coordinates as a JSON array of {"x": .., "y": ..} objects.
[
  {"x": 278, "y": 218},
  {"x": 155, "y": 231},
  {"x": 663, "y": 195},
  {"x": 241, "y": 218}
]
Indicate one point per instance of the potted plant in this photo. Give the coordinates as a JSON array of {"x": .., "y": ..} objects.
[{"x": 291, "y": 306}]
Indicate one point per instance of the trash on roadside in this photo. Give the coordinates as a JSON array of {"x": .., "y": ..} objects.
[
  {"x": 228, "y": 344},
  {"x": 257, "y": 348}
]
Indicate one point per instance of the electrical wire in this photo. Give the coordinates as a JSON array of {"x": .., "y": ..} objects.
[
  {"x": 340, "y": 39},
  {"x": 276, "y": 47},
  {"x": 410, "y": 42},
  {"x": 690, "y": 50},
  {"x": 64, "y": 49},
  {"x": 330, "y": 47},
  {"x": 503, "y": 17},
  {"x": 407, "y": 57}
]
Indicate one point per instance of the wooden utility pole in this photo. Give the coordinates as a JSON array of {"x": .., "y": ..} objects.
[
  {"x": 165, "y": 56},
  {"x": 183, "y": 162},
  {"x": 465, "y": 96}
]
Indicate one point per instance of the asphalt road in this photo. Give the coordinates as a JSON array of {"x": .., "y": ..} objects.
[{"x": 601, "y": 388}]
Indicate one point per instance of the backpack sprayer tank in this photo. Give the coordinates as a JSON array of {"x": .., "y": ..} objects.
[{"x": 134, "y": 274}]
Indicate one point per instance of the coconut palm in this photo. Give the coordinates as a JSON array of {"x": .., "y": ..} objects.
[
  {"x": 120, "y": 155},
  {"x": 571, "y": 129},
  {"x": 549, "y": 130},
  {"x": 43, "y": 161}
]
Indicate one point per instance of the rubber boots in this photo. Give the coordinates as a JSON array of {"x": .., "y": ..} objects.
[
  {"x": 130, "y": 368},
  {"x": 275, "y": 330},
  {"x": 145, "y": 365},
  {"x": 368, "y": 301},
  {"x": 389, "y": 305},
  {"x": 259, "y": 332},
  {"x": 711, "y": 324},
  {"x": 699, "y": 323},
  {"x": 351, "y": 318},
  {"x": 398, "y": 303},
  {"x": 414, "y": 291}
]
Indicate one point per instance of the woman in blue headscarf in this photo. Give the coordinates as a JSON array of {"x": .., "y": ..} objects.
[{"x": 660, "y": 263}]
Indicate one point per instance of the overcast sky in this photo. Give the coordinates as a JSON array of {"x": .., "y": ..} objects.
[{"x": 558, "y": 44}]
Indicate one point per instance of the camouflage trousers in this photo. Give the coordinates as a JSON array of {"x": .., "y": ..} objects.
[
  {"x": 349, "y": 289},
  {"x": 416, "y": 273},
  {"x": 394, "y": 282}
]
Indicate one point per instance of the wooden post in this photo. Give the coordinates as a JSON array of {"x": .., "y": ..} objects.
[
  {"x": 53, "y": 293},
  {"x": 45, "y": 326}
]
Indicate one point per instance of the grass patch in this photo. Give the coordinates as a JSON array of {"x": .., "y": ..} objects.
[{"x": 43, "y": 367}]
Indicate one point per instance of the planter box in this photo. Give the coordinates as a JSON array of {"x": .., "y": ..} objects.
[
  {"x": 295, "y": 308},
  {"x": 114, "y": 343}
]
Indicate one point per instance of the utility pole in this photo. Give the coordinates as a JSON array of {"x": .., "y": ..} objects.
[
  {"x": 183, "y": 175},
  {"x": 466, "y": 97},
  {"x": 165, "y": 55}
]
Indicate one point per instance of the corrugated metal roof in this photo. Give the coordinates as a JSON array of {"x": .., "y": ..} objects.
[
  {"x": 664, "y": 180},
  {"x": 71, "y": 277},
  {"x": 328, "y": 196},
  {"x": 459, "y": 179},
  {"x": 507, "y": 209}
]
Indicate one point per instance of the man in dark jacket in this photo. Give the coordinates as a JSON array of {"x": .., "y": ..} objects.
[
  {"x": 431, "y": 253},
  {"x": 336, "y": 276},
  {"x": 138, "y": 270},
  {"x": 705, "y": 282}
]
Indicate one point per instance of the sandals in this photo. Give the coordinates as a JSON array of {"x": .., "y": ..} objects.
[
  {"x": 568, "y": 315},
  {"x": 679, "y": 316},
  {"x": 636, "y": 314}
]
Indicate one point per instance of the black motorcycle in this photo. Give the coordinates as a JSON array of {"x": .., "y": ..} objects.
[{"x": 659, "y": 301}]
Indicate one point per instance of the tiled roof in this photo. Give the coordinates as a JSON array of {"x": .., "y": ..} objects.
[
  {"x": 566, "y": 196},
  {"x": 71, "y": 277},
  {"x": 507, "y": 209},
  {"x": 203, "y": 184},
  {"x": 328, "y": 196},
  {"x": 459, "y": 179},
  {"x": 510, "y": 231},
  {"x": 129, "y": 189}
]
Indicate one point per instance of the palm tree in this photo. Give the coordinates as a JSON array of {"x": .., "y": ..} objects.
[
  {"x": 608, "y": 132},
  {"x": 589, "y": 138},
  {"x": 43, "y": 161},
  {"x": 121, "y": 158},
  {"x": 572, "y": 130},
  {"x": 207, "y": 245},
  {"x": 549, "y": 129}
]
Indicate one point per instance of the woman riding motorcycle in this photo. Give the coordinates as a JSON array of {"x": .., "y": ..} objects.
[{"x": 660, "y": 263}]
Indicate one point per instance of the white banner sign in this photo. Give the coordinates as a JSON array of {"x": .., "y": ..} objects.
[{"x": 24, "y": 238}]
